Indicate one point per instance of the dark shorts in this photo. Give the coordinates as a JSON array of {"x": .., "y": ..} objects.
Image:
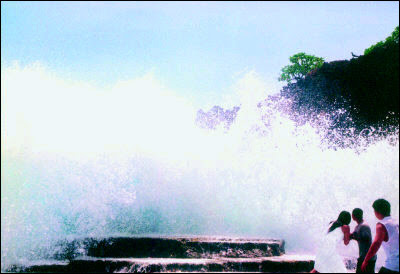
[
  {"x": 385, "y": 270},
  {"x": 370, "y": 266}
]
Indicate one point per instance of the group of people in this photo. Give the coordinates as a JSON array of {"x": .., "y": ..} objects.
[{"x": 328, "y": 259}]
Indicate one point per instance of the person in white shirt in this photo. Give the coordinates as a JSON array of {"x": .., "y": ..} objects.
[
  {"x": 327, "y": 259},
  {"x": 387, "y": 235}
]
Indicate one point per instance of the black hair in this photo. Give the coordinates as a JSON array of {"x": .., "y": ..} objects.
[
  {"x": 382, "y": 206},
  {"x": 358, "y": 213},
  {"x": 343, "y": 219}
]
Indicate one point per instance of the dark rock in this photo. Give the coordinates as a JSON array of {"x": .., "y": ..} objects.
[
  {"x": 144, "y": 265},
  {"x": 366, "y": 86},
  {"x": 286, "y": 265},
  {"x": 169, "y": 247},
  {"x": 358, "y": 97}
]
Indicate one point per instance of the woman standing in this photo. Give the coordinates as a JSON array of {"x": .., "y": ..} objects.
[{"x": 328, "y": 259}]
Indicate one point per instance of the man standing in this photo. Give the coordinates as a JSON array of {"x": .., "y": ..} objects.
[
  {"x": 387, "y": 235},
  {"x": 362, "y": 234}
]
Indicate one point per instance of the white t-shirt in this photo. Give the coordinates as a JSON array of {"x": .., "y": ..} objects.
[
  {"x": 391, "y": 247},
  {"x": 327, "y": 259}
]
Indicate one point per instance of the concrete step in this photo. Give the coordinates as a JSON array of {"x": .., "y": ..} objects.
[
  {"x": 170, "y": 247},
  {"x": 284, "y": 263}
]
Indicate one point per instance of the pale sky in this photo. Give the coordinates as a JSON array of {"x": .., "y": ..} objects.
[{"x": 195, "y": 48}]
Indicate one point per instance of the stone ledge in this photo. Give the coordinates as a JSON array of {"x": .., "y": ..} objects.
[
  {"x": 170, "y": 247},
  {"x": 285, "y": 263}
]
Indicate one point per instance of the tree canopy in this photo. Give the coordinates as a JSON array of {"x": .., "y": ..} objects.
[
  {"x": 392, "y": 39},
  {"x": 301, "y": 64}
]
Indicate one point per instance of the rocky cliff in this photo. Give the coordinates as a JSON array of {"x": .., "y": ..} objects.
[
  {"x": 358, "y": 94},
  {"x": 366, "y": 86}
]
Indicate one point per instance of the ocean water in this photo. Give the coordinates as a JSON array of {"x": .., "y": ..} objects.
[{"x": 129, "y": 160}]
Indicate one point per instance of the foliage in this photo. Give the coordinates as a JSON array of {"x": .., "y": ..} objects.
[
  {"x": 301, "y": 65},
  {"x": 393, "y": 39}
]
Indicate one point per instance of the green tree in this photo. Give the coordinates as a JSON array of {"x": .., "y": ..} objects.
[
  {"x": 392, "y": 39},
  {"x": 301, "y": 65}
]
